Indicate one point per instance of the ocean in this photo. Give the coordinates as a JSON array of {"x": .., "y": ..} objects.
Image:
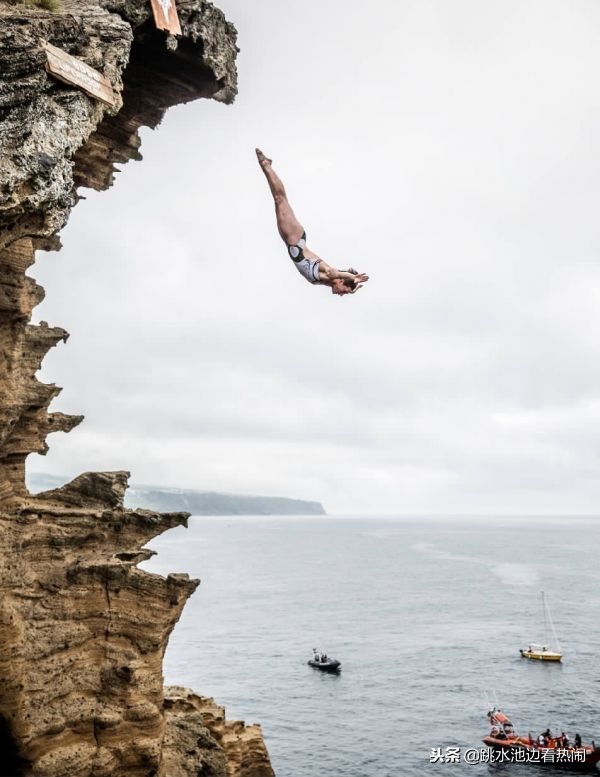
[{"x": 426, "y": 615}]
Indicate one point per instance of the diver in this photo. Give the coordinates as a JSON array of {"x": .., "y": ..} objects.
[{"x": 308, "y": 264}]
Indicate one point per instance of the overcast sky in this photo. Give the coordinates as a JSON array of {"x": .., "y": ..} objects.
[{"x": 448, "y": 149}]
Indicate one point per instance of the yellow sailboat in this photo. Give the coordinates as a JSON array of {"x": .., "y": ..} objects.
[{"x": 541, "y": 652}]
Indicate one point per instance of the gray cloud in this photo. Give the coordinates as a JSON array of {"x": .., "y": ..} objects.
[{"x": 450, "y": 150}]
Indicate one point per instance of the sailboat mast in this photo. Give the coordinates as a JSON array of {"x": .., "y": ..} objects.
[
  {"x": 548, "y": 619},
  {"x": 545, "y": 609}
]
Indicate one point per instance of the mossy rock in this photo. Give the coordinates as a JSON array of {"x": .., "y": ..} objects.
[{"x": 49, "y": 5}]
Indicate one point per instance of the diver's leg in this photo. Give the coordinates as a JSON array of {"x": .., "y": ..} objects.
[{"x": 290, "y": 229}]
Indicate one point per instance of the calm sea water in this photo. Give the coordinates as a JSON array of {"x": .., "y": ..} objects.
[{"x": 426, "y": 616}]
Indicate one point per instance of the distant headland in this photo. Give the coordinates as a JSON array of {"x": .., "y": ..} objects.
[{"x": 195, "y": 502}]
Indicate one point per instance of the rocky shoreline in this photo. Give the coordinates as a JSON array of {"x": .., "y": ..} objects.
[{"x": 83, "y": 630}]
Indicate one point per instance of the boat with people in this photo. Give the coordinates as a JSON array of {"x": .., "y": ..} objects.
[
  {"x": 547, "y": 748},
  {"x": 537, "y": 652},
  {"x": 322, "y": 662},
  {"x": 540, "y": 651}
]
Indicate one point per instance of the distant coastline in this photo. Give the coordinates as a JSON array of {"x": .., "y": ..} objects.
[{"x": 163, "y": 499}]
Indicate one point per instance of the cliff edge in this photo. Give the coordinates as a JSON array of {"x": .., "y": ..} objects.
[{"x": 83, "y": 631}]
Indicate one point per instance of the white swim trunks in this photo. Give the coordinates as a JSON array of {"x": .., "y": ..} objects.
[{"x": 306, "y": 267}]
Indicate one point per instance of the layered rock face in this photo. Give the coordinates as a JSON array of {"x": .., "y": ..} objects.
[{"x": 82, "y": 630}]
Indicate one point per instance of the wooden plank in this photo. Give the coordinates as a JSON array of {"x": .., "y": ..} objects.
[
  {"x": 165, "y": 16},
  {"x": 74, "y": 72}
]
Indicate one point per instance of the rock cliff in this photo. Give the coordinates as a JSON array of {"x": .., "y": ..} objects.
[
  {"x": 195, "y": 502},
  {"x": 82, "y": 630}
]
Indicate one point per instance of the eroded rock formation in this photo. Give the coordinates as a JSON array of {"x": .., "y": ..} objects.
[{"x": 82, "y": 630}]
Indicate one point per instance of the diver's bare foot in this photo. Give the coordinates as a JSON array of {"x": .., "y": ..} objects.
[{"x": 262, "y": 159}]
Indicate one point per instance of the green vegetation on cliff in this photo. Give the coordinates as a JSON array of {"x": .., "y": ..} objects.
[{"x": 49, "y": 5}]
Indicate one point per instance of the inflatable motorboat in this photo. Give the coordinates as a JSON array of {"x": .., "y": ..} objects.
[
  {"x": 322, "y": 662},
  {"x": 545, "y": 749}
]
